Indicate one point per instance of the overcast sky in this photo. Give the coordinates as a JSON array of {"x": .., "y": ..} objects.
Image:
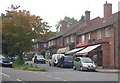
[{"x": 54, "y": 10}]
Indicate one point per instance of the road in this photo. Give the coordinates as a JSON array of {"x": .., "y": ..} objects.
[{"x": 55, "y": 74}]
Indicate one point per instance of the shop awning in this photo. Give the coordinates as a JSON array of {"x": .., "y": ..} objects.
[
  {"x": 87, "y": 50},
  {"x": 74, "y": 50},
  {"x": 63, "y": 50}
]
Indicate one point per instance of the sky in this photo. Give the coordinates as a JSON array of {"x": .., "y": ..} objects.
[{"x": 54, "y": 10}]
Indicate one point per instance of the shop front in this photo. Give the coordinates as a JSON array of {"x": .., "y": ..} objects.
[
  {"x": 101, "y": 53},
  {"x": 63, "y": 50},
  {"x": 94, "y": 52}
]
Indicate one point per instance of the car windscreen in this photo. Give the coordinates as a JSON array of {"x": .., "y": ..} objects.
[
  {"x": 40, "y": 57},
  {"x": 68, "y": 58},
  {"x": 86, "y": 60},
  {"x": 5, "y": 59}
]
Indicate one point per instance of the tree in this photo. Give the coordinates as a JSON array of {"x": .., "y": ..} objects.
[
  {"x": 70, "y": 21},
  {"x": 17, "y": 31}
]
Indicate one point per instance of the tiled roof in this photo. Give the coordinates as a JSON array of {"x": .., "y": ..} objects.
[
  {"x": 62, "y": 33},
  {"x": 99, "y": 24},
  {"x": 81, "y": 26}
]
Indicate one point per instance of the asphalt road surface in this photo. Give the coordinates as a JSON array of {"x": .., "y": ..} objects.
[{"x": 55, "y": 74}]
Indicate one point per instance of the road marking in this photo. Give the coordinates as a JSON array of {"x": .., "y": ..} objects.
[
  {"x": 64, "y": 80},
  {"x": 5, "y": 74},
  {"x": 18, "y": 80},
  {"x": 57, "y": 78}
]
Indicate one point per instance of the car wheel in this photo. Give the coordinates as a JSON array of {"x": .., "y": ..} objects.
[
  {"x": 49, "y": 64},
  {"x": 81, "y": 68},
  {"x": 62, "y": 66},
  {"x": 10, "y": 66},
  {"x": 74, "y": 68}
]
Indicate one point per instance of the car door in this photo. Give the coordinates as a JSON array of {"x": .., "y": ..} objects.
[{"x": 77, "y": 63}]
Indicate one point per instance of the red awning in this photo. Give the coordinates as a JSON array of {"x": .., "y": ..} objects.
[{"x": 87, "y": 50}]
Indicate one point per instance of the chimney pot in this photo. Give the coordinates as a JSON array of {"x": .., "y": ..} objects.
[
  {"x": 107, "y": 10},
  {"x": 63, "y": 25},
  {"x": 87, "y": 17}
]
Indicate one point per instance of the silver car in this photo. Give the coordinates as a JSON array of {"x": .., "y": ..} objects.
[{"x": 84, "y": 63}]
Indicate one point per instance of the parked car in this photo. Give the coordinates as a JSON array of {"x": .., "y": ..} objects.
[
  {"x": 65, "y": 61},
  {"x": 5, "y": 62},
  {"x": 84, "y": 63},
  {"x": 53, "y": 61},
  {"x": 39, "y": 59},
  {"x": 61, "y": 60}
]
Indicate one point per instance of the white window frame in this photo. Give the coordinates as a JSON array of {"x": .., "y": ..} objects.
[
  {"x": 45, "y": 45},
  {"x": 83, "y": 39},
  {"x": 72, "y": 38},
  {"x": 99, "y": 34},
  {"x": 52, "y": 43},
  {"x": 37, "y": 45},
  {"x": 107, "y": 32},
  {"x": 89, "y": 36},
  {"x": 67, "y": 40}
]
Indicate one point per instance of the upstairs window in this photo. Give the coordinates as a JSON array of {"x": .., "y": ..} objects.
[
  {"x": 45, "y": 45},
  {"x": 67, "y": 40},
  {"x": 83, "y": 38},
  {"x": 88, "y": 37},
  {"x": 72, "y": 38},
  {"x": 107, "y": 32},
  {"x": 99, "y": 35}
]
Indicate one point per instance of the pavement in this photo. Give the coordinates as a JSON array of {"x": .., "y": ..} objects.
[{"x": 102, "y": 70}]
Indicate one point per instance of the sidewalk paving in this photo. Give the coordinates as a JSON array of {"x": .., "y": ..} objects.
[{"x": 107, "y": 70}]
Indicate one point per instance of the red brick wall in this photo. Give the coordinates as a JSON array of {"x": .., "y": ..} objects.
[{"x": 108, "y": 55}]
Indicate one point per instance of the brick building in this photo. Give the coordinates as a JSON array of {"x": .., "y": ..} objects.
[{"x": 100, "y": 35}]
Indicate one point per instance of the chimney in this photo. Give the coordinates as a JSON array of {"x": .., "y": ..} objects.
[
  {"x": 63, "y": 25},
  {"x": 87, "y": 17},
  {"x": 107, "y": 10}
]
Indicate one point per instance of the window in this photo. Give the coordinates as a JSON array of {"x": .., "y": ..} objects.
[
  {"x": 52, "y": 43},
  {"x": 37, "y": 46},
  {"x": 88, "y": 36},
  {"x": 99, "y": 36},
  {"x": 45, "y": 45},
  {"x": 107, "y": 32},
  {"x": 83, "y": 38},
  {"x": 49, "y": 43},
  {"x": 67, "y": 40},
  {"x": 72, "y": 38}
]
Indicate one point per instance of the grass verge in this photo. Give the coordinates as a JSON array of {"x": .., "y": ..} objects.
[{"x": 28, "y": 68}]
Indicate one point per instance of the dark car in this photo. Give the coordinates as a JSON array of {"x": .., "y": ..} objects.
[
  {"x": 5, "y": 62},
  {"x": 66, "y": 61},
  {"x": 39, "y": 59}
]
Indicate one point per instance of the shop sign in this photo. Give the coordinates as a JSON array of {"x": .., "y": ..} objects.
[{"x": 82, "y": 44}]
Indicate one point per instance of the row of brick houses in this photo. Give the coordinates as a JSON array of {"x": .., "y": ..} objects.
[{"x": 91, "y": 32}]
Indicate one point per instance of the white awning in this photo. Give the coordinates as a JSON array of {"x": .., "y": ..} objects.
[
  {"x": 74, "y": 50},
  {"x": 87, "y": 50},
  {"x": 63, "y": 50}
]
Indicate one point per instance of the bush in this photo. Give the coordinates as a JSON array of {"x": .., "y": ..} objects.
[{"x": 28, "y": 68}]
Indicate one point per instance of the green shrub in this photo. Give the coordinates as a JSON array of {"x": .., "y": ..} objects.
[{"x": 28, "y": 68}]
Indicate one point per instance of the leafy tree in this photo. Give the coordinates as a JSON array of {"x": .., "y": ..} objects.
[
  {"x": 19, "y": 27},
  {"x": 42, "y": 52},
  {"x": 70, "y": 21}
]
